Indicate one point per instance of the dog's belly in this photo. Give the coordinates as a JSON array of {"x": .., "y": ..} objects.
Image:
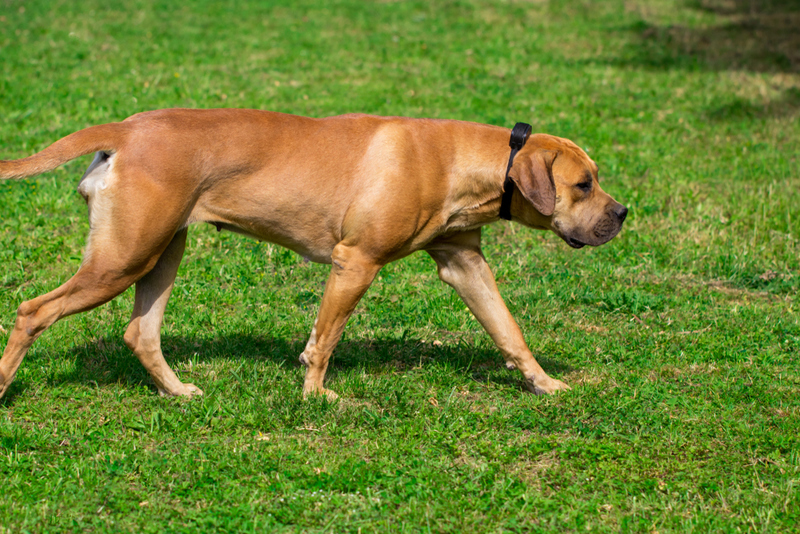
[
  {"x": 319, "y": 251},
  {"x": 302, "y": 226},
  {"x": 317, "y": 254}
]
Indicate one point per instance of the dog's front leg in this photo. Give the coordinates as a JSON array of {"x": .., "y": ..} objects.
[
  {"x": 352, "y": 272},
  {"x": 462, "y": 265}
]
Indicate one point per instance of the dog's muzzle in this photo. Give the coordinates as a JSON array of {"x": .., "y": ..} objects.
[{"x": 603, "y": 231}]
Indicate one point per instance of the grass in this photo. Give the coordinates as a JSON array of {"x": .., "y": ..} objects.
[{"x": 680, "y": 338}]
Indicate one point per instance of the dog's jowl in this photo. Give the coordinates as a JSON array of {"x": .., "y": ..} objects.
[{"x": 354, "y": 191}]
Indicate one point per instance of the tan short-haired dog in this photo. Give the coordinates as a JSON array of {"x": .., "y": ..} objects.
[{"x": 354, "y": 191}]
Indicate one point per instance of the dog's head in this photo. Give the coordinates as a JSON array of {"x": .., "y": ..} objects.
[{"x": 560, "y": 184}]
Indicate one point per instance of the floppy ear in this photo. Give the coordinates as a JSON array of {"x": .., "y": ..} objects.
[{"x": 534, "y": 178}]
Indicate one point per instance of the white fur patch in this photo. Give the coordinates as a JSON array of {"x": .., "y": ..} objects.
[{"x": 94, "y": 189}]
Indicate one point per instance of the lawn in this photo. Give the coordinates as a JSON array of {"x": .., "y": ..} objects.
[{"x": 680, "y": 338}]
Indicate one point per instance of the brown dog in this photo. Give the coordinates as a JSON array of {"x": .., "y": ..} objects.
[{"x": 353, "y": 191}]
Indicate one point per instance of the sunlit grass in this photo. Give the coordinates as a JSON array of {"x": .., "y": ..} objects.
[{"x": 680, "y": 337}]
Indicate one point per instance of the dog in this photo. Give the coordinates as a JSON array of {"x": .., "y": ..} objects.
[{"x": 353, "y": 191}]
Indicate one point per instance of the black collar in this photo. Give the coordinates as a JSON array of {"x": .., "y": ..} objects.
[{"x": 519, "y": 135}]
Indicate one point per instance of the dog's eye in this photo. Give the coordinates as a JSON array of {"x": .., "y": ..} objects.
[{"x": 585, "y": 186}]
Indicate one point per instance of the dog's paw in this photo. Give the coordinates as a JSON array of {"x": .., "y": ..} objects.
[
  {"x": 545, "y": 386},
  {"x": 330, "y": 394},
  {"x": 186, "y": 390},
  {"x": 192, "y": 390}
]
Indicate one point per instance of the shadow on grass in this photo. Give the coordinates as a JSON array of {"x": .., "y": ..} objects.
[
  {"x": 111, "y": 362},
  {"x": 787, "y": 104},
  {"x": 755, "y": 35}
]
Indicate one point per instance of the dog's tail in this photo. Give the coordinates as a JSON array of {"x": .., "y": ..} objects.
[{"x": 105, "y": 137}]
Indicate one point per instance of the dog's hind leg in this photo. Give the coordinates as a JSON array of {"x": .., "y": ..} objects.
[
  {"x": 101, "y": 278},
  {"x": 144, "y": 331},
  {"x": 129, "y": 233}
]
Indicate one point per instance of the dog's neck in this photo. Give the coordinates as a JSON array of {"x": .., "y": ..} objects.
[{"x": 478, "y": 177}]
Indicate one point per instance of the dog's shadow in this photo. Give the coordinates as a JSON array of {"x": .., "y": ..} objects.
[{"x": 108, "y": 361}]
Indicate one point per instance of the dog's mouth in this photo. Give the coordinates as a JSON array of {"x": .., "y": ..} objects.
[
  {"x": 574, "y": 243},
  {"x": 602, "y": 232}
]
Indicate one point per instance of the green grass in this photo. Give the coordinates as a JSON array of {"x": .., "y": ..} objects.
[{"x": 680, "y": 338}]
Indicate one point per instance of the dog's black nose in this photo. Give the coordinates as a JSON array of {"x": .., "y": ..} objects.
[{"x": 621, "y": 212}]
